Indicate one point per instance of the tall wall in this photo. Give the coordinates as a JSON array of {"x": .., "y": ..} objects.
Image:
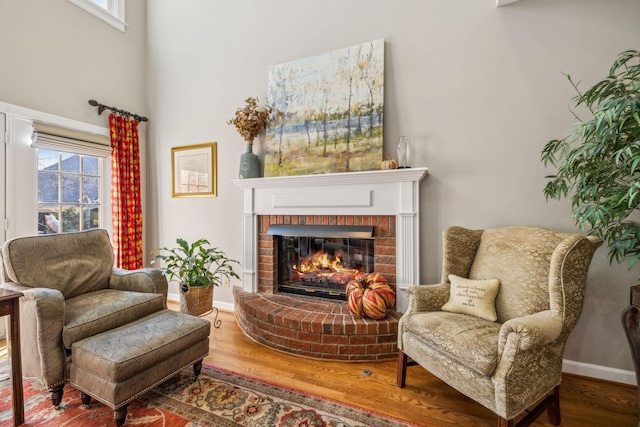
[
  {"x": 56, "y": 56},
  {"x": 478, "y": 89}
]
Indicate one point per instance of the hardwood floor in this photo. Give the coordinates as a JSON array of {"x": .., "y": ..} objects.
[{"x": 425, "y": 400}]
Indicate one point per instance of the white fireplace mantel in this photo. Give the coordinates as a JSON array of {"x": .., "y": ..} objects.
[{"x": 383, "y": 192}]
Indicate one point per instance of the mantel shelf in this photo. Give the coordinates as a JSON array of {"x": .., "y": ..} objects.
[{"x": 345, "y": 178}]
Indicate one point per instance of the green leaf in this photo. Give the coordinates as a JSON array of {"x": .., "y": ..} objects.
[
  {"x": 194, "y": 263},
  {"x": 597, "y": 164}
]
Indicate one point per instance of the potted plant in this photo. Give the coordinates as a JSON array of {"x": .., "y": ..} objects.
[
  {"x": 198, "y": 267},
  {"x": 598, "y": 167}
]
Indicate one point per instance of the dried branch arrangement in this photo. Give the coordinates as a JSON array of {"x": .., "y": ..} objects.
[{"x": 250, "y": 120}]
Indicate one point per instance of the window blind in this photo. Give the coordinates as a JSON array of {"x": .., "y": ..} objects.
[{"x": 57, "y": 138}]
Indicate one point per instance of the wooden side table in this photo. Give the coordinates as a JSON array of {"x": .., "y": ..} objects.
[{"x": 9, "y": 305}]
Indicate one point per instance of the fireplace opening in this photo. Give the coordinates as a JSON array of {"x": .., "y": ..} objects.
[{"x": 318, "y": 260}]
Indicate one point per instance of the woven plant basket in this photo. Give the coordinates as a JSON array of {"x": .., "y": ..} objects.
[{"x": 196, "y": 300}]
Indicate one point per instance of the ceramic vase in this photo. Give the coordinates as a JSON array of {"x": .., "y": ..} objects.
[{"x": 249, "y": 164}]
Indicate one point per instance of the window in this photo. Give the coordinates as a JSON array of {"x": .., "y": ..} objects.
[
  {"x": 68, "y": 191},
  {"x": 102, "y": 3},
  {"x": 110, "y": 11}
]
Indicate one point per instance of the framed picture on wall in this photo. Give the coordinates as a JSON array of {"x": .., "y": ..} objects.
[{"x": 193, "y": 170}]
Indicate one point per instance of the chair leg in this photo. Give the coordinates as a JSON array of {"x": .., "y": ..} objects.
[
  {"x": 551, "y": 403},
  {"x": 56, "y": 395},
  {"x": 402, "y": 369},
  {"x": 553, "y": 410},
  {"x": 120, "y": 415},
  {"x": 197, "y": 367},
  {"x": 85, "y": 399}
]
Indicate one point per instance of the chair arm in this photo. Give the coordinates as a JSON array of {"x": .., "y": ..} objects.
[
  {"x": 41, "y": 323},
  {"x": 15, "y": 286},
  {"x": 427, "y": 297},
  {"x": 535, "y": 330},
  {"x": 149, "y": 280}
]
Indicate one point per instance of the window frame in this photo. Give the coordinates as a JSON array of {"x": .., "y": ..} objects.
[
  {"x": 113, "y": 15},
  {"x": 59, "y": 174}
]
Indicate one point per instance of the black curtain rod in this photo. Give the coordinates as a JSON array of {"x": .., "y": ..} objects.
[{"x": 102, "y": 107}]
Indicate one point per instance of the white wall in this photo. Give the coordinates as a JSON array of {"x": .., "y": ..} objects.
[
  {"x": 478, "y": 89},
  {"x": 55, "y": 57}
]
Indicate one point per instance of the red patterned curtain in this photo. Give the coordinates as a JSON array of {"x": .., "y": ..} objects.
[{"x": 125, "y": 192}]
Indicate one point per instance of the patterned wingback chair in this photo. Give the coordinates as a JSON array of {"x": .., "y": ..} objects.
[
  {"x": 514, "y": 362},
  {"x": 72, "y": 291}
]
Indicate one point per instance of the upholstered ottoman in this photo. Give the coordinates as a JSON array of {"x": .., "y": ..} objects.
[{"x": 119, "y": 365}]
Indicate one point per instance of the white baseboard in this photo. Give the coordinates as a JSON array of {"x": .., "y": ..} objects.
[
  {"x": 600, "y": 372},
  {"x": 227, "y": 306}
]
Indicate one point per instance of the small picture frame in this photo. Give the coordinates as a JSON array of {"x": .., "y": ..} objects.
[{"x": 193, "y": 170}]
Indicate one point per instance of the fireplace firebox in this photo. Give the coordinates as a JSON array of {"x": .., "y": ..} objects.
[{"x": 319, "y": 261}]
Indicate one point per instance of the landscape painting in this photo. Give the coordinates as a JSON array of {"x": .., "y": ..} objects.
[{"x": 328, "y": 112}]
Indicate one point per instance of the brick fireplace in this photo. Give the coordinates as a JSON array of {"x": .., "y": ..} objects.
[
  {"x": 316, "y": 327},
  {"x": 384, "y": 235}
]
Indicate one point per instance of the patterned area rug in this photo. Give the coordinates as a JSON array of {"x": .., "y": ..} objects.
[{"x": 217, "y": 398}]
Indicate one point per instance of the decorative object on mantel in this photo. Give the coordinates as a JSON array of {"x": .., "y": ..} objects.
[
  {"x": 389, "y": 163},
  {"x": 331, "y": 112},
  {"x": 249, "y": 164},
  {"x": 249, "y": 122},
  {"x": 369, "y": 295},
  {"x": 192, "y": 265},
  {"x": 598, "y": 165},
  {"x": 404, "y": 151}
]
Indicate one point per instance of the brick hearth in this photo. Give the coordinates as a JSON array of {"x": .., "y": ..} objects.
[{"x": 315, "y": 327}]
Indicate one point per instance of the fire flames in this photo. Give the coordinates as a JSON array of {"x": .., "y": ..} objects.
[{"x": 320, "y": 266}]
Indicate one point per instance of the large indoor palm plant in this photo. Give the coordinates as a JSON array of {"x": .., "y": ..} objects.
[{"x": 598, "y": 167}]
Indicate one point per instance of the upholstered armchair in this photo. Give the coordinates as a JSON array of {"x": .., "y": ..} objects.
[
  {"x": 72, "y": 291},
  {"x": 495, "y": 327}
]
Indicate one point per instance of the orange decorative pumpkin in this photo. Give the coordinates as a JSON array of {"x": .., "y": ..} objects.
[
  {"x": 369, "y": 295},
  {"x": 389, "y": 163},
  {"x": 355, "y": 299}
]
